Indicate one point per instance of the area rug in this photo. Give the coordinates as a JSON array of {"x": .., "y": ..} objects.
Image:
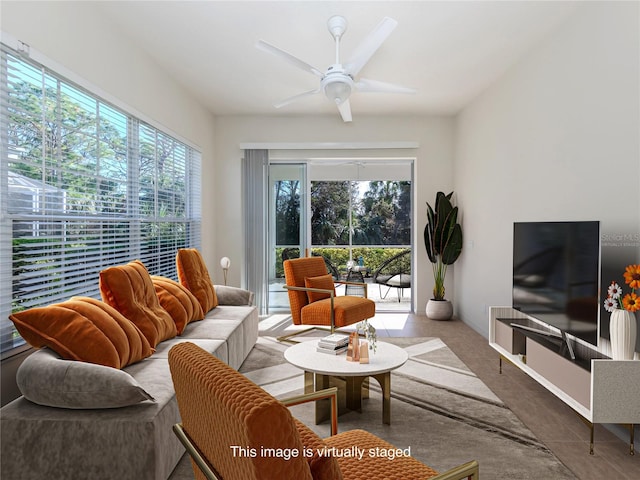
[{"x": 440, "y": 411}]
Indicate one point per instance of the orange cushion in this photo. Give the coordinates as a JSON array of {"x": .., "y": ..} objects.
[
  {"x": 348, "y": 310},
  {"x": 325, "y": 282},
  {"x": 129, "y": 289},
  {"x": 178, "y": 301},
  {"x": 83, "y": 329},
  {"x": 193, "y": 274}
]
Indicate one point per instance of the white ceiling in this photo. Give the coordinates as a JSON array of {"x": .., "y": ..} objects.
[{"x": 449, "y": 51}]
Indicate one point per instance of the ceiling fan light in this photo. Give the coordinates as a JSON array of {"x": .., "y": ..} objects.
[{"x": 337, "y": 90}]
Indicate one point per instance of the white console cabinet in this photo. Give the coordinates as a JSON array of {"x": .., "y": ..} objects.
[{"x": 599, "y": 389}]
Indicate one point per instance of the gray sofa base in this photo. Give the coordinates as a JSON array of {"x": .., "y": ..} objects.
[{"x": 134, "y": 442}]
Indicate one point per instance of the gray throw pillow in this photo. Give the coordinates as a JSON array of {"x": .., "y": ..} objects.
[{"x": 47, "y": 379}]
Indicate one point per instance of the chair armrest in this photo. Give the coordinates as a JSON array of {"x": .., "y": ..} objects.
[
  {"x": 309, "y": 289},
  {"x": 330, "y": 393},
  {"x": 328, "y": 292},
  {"x": 468, "y": 470},
  {"x": 195, "y": 454}
]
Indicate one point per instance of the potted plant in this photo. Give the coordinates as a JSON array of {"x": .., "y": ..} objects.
[{"x": 443, "y": 241}]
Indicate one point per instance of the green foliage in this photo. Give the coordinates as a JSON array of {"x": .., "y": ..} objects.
[
  {"x": 287, "y": 221},
  {"x": 382, "y": 216},
  {"x": 442, "y": 239},
  {"x": 385, "y": 214},
  {"x": 372, "y": 257},
  {"x": 330, "y": 212}
]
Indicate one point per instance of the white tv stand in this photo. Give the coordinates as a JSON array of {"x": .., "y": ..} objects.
[{"x": 599, "y": 389}]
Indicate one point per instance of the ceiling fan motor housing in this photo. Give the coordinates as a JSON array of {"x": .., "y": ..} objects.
[{"x": 337, "y": 86}]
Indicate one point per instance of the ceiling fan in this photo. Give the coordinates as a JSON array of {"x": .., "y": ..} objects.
[{"x": 338, "y": 82}]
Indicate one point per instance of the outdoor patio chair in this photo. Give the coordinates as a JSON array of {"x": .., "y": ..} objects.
[
  {"x": 394, "y": 273},
  {"x": 292, "y": 252}
]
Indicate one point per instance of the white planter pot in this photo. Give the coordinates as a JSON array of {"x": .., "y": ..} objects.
[
  {"x": 439, "y": 309},
  {"x": 622, "y": 329}
]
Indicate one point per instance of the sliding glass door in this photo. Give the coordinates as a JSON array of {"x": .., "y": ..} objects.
[
  {"x": 287, "y": 224},
  {"x": 355, "y": 214}
]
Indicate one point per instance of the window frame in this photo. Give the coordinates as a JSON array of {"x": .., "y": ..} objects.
[{"x": 173, "y": 223}]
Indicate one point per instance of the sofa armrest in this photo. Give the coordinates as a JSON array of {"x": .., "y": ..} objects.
[{"x": 233, "y": 295}]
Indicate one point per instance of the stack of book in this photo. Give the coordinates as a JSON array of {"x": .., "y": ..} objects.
[{"x": 333, "y": 344}]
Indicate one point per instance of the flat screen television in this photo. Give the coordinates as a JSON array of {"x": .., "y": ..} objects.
[{"x": 556, "y": 275}]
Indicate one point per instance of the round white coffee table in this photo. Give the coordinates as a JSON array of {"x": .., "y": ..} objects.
[{"x": 320, "y": 368}]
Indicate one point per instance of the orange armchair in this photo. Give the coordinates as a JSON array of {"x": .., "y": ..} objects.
[
  {"x": 313, "y": 299},
  {"x": 234, "y": 430}
]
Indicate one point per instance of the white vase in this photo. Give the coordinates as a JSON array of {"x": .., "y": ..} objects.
[
  {"x": 439, "y": 309},
  {"x": 622, "y": 329}
]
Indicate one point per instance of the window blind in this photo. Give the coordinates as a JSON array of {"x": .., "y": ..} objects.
[{"x": 84, "y": 186}]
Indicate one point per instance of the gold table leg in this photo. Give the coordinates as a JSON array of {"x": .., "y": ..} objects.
[
  {"x": 309, "y": 384},
  {"x": 313, "y": 383},
  {"x": 354, "y": 393},
  {"x": 365, "y": 388},
  {"x": 354, "y": 388},
  {"x": 384, "y": 379}
]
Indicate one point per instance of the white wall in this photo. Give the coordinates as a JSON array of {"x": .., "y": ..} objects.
[
  {"x": 433, "y": 170},
  {"x": 77, "y": 37},
  {"x": 557, "y": 138}
]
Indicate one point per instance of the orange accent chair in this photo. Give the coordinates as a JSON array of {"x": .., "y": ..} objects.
[
  {"x": 313, "y": 299},
  {"x": 234, "y": 430}
]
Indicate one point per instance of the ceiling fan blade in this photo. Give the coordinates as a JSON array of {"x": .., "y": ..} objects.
[
  {"x": 375, "y": 86},
  {"x": 295, "y": 98},
  {"x": 287, "y": 57},
  {"x": 369, "y": 45},
  {"x": 345, "y": 110}
]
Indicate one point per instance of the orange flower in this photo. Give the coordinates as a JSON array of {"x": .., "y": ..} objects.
[
  {"x": 631, "y": 302},
  {"x": 632, "y": 276}
]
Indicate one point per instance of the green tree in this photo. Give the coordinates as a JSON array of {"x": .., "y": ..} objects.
[
  {"x": 287, "y": 198},
  {"x": 52, "y": 125},
  {"x": 385, "y": 214},
  {"x": 330, "y": 212}
]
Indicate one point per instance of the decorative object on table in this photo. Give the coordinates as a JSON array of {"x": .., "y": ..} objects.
[
  {"x": 623, "y": 325},
  {"x": 225, "y": 263},
  {"x": 364, "y": 352},
  {"x": 333, "y": 344},
  {"x": 443, "y": 241},
  {"x": 353, "y": 349},
  {"x": 369, "y": 332}
]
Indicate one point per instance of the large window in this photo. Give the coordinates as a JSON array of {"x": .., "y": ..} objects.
[{"x": 83, "y": 186}]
